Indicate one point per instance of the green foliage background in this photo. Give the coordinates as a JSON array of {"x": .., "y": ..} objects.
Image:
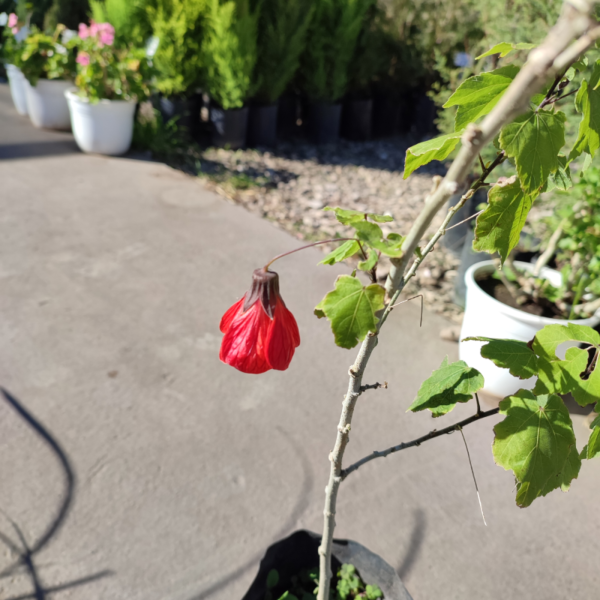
[{"x": 128, "y": 17}]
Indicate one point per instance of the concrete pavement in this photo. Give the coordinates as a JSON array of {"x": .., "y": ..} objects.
[{"x": 177, "y": 471}]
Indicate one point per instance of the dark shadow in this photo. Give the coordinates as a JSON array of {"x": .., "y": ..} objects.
[
  {"x": 302, "y": 503},
  {"x": 37, "y": 149},
  {"x": 26, "y": 552},
  {"x": 576, "y": 409},
  {"x": 414, "y": 546}
]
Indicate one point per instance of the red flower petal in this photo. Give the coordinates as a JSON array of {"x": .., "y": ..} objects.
[
  {"x": 243, "y": 345},
  {"x": 228, "y": 317},
  {"x": 282, "y": 339}
]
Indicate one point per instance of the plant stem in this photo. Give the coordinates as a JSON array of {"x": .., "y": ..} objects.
[
  {"x": 578, "y": 293},
  {"x": 430, "y": 436},
  {"x": 548, "y": 253},
  {"x": 307, "y": 246},
  {"x": 335, "y": 474}
]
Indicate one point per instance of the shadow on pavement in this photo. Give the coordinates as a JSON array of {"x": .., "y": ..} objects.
[
  {"x": 37, "y": 149},
  {"x": 300, "y": 507},
  {"x": 414, "y": 546},
  {"x": 25, "y": 552}
]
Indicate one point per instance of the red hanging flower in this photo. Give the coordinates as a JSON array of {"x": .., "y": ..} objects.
[{"x": 260, "y": 332}]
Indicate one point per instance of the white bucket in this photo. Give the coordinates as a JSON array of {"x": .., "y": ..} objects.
[
  {"x": 16, "y": 81},
  {"x": 47, "y": 105}
]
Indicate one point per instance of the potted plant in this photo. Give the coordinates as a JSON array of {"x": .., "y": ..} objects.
[
  {"x": 535, "y": 438},
  {"x": 49, "y": 68},
  {"x": 229, "y": 52},
  {"x": 12, "y": 46},
  {"x": 281, "y": 40},
  {"x": 525, "y": 297},
  {"x": 179, "y": 28},
  {"x": 330, "y": 46},
  {"x": 110, "y": 82}
]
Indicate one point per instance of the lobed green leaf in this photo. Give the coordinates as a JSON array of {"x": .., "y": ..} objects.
[
  {"x": 498, "y": 227},
  {"x": 514, "y": 355},
  {"x": 438, "y": 148},
  {"x": 505, "y": 48},
  {"x": 592, "y": 448},
  {"x": 451, "y": 383},
  {"x": 349, "y": 217},
  {"x": 537, "y": 443},
  {"x": 342, "y": 252},
  {"x": 351, "y": 309},
  {"x": 478, "y": 95},
  {"x": 534, "y": 141},
  {"x": 371, "y": 234},
  {"x": 587, "y": 102}
]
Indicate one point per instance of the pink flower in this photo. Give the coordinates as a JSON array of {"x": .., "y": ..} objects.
[
  {"x": 12, "y": 21},
  {"x": 15, "y": 30},
  {"x": 107, "y": 33},
  {"x": 83, "y": 58},
  {"x": 84, "y": 31}
]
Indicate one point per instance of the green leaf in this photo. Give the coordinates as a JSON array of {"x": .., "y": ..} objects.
[
  {"x": 513, "y": 355},
  {"x": 436, "y": 149},
  {"x": 587, "y": 102},
  {"x": 351, "y": 309},
  {"x": 499, "y": 226},
  {"x": 451, "y": 383},
  {"x": 534, "y": 141},
  {"x": 272, "y": 578},
  {"x": 565, "y": 376},
  {"x": 373, "y": 592},
  {"x": 342, "y": 252},
  {"x": 373, "y": 236},
  {"x": 478, "y": 95},
  {"x": 348, "y": 217},
  {"x": 367, "y": 265},
  {"x": 534, "y": 441},
  {"x": 581, "y": 64},
  {"x": 562, "y": 178},
  {"x": 288, "y": 596},
  {"x": 504, "y": 48},
  {"x": 592, "y": 448}
]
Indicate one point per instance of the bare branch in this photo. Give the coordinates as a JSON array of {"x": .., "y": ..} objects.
[
  {"x": 548, "y": 253},
  {"x": 430, "y": 436},
  {"x": 373, "y": 386}
]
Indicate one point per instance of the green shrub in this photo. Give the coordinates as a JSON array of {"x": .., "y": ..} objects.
[
  {"x": 179, "y": 26},
  {"x": 44, "y": 57},
  {"x": 230, "y": 51},
  {"x": 282, "y": 31},
  {"x": 330, "y": 46},
  {"x": 128, "y": 17}
]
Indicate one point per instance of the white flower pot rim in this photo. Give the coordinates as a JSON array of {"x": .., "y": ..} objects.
[
  {"x": 488, "y": 266},
  {"x": 72, "y": 94}
]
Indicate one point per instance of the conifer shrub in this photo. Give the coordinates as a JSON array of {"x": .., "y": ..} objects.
[
  {"x": 330, "y": 47},
  {"x": 230, "y": 51},
  {"x": 128, "y": 17},
  {"x": 179, "y": 26},
  {"x": 282, "y": 29}
]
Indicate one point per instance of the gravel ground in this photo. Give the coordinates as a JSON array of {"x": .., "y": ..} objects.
[{"x": 291, "y": 185}]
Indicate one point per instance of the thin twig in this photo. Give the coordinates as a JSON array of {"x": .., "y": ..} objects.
[
  {"x": 478, "y": 405},
  {"x": 431, "y": 435},
  {"x": 473, "y": 473},
  {"x": 548, "y": 253},
  {"x": 403, "y": 301},
  {"x": 553, "y": 100},
  {"x": 464, "y": 220},
  {"x": 373, "y": 386}
]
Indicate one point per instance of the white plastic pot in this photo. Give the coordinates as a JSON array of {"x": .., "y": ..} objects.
[
  {"x": 16, "y": 81},
  {"x": 105, "y": 127},
  {"x": 47, "y": 105},
  {"x": 487, "y": 317}
]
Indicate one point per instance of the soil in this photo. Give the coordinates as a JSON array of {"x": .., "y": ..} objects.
[{"x": 497, "y": 290}]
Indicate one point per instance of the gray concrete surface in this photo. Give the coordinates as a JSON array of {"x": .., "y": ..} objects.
[{"x": 114, "y": 274}]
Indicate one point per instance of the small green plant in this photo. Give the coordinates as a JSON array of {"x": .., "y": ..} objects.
[
  {"x": 179, "y": 26},
  {"x": 281, "y": 40},
  {"x": 129, "y": 18},
  {"x": 331, "y": 43},
  {"x": 230, "y": 51},
  {"x": 13, "y": 39},
  {"x": 104, "y": 72},
  {"x": 44, "y": 57}
]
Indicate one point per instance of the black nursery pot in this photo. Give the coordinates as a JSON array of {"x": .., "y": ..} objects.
[
  {"x": 287, "y": 116},
  {"x": 356, "y": 119},
  {"x": 187, "y": 111},
  {"x": 385, "y": 115},
  {"x": 324, "y": 122},
  {"x": 262, "y": 125},
  {"x": 300, "y": 551},
  {"x": 229, "y": 127},
  {"x": 425, "y": 114}
]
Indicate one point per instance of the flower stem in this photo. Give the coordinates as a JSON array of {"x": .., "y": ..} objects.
[{"x": 341, "y": 239}]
